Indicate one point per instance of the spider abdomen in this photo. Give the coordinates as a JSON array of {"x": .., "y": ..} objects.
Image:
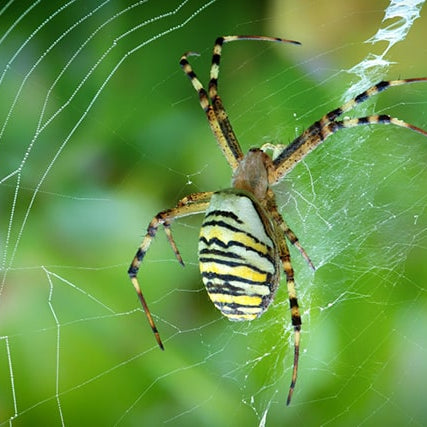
[{"x": 238, "y": 255}]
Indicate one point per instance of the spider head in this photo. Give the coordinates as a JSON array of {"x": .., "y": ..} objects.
[{"x": 252, "y": 173}]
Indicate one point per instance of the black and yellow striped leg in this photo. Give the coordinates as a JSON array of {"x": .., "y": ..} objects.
[
  {"x": 190, "y": 205},
  {"x": 229, "y": 145},
  {"x": 293, "y": 239},
  {"x": 368, "y": 93},
  {"x": 289, "y": 234},
  {"x": 319, "y": 131},
  {"x": 216, "y": 57},
  {"x": 295, "y": 313},
  {"x": 214, "y": 97},
  {"x": 212, "y": 105}
]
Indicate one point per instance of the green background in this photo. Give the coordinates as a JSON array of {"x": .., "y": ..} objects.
[{"x": 73, "y": 338}]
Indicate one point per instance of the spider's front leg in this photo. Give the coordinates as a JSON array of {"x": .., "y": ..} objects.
[{"x": 190, "y": 205}]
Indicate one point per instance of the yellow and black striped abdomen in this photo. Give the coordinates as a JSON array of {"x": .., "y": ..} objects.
[{"x": 238, "y": 256}]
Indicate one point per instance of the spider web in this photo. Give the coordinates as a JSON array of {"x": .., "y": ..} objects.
[{"x": 99, "y": 130}]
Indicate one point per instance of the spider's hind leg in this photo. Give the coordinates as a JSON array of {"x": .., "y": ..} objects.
[{"x": 295, "y": 312}]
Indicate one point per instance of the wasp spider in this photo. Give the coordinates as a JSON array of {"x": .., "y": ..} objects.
[{"x": 242, "y": 244}]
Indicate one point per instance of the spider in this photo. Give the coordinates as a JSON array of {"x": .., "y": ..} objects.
[{"x": 243, "y": 238}]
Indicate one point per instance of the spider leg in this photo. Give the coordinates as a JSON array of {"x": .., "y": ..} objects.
[
  {"x": 216, "y": 101},
  {"x": 377, "y": 119},
  {"x": 216, "y": 57},
  {"x": 214, "y": 110},
  {"x": 319, "y": 131},
  {"x": 290, "y": 235},
  {"x": 190, "y": 205},
  {"x": 282, "y": 231},
  {"x": 364, "y": 96},
  {"x": 295, "y": 313},
  {"x": 230, "y": 147}
]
